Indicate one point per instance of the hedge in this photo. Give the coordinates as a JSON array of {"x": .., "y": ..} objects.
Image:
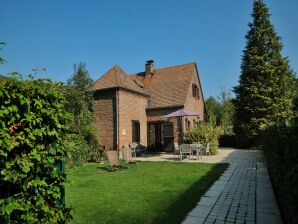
[
  {"x": 280, "y": 144},
  {"x": 32, "y": 127}
]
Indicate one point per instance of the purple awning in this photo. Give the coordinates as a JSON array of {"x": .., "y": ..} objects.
[{"x": 181, "y": 113}]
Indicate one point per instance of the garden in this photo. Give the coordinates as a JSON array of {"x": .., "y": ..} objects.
[{"x": 149, "y": 192}]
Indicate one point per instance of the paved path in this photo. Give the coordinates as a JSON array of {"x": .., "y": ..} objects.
[{"x": 243, "y": 194}]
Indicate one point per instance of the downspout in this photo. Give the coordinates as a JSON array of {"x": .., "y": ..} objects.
[{"x": 117, "y": 118}]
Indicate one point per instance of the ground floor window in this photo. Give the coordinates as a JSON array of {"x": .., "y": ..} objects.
[{"x": 135, "y": 131}]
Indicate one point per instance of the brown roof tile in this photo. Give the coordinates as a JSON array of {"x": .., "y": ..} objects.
[
  {"x": 116, "y": 77},
  {"x": 166, "y": 87}
]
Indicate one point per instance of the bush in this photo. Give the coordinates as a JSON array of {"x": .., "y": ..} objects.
[
  {"x": 280, "y": 147},
  {"x": 32, "y": 127},
  {"x": 227, "y": 141},
  {"x": 204, "y": 133}
]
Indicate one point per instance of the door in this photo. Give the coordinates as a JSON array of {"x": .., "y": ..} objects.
[
  {"x": 160, "y": 136},
  {"x": 168, "y": 136}
]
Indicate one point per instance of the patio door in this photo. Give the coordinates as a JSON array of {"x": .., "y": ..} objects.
[{"x": 160, "y": 136}]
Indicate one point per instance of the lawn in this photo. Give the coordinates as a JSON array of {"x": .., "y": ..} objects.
[{"x": 150, "y": 192}]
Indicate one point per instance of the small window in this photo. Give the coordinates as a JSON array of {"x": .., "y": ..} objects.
[
  {"x": 135, "y": 131},
  {"x": 195, "y": 91}
]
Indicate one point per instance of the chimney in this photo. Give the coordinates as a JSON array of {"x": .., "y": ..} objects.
[{"x": 149, "y": 67}]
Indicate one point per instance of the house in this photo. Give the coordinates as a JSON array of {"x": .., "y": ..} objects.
[{"x": 129, "y": 107}]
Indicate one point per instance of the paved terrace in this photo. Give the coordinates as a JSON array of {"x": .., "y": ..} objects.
[{"x": 243, "y": 194}]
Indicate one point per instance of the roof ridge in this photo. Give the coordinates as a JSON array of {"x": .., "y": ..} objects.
[{"x": 173, "y": 66}]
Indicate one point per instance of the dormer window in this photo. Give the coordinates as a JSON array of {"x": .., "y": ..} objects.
[{"x": 195, "y": 91}]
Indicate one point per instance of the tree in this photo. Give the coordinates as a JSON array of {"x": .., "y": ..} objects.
[
  {"x": 220, "y": 111},
  {"x": 82, "y": 141},
  {"x": 265, "y": 92},
  {"x": 213, "y": 110},
  {"x": 1, "y": 59}
]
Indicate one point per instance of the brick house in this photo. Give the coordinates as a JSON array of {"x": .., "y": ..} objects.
[{"x": 129, "y": 108}]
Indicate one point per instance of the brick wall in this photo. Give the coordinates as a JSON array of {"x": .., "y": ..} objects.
[
  {"x": 105, "y": 117},
  {"x": 194, "y": 104},
  {"x": 132, "y": 107}
]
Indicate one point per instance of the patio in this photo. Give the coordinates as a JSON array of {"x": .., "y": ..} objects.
[{"x": 224, "y": 155}]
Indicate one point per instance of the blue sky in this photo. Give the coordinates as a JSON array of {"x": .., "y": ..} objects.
[{"x": 55, "y": 34}]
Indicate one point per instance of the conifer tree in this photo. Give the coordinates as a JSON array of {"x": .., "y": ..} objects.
[{"x": 265, "y": 92}]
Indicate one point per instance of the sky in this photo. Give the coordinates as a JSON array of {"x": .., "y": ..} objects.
[{"x": 55, "y": 34}]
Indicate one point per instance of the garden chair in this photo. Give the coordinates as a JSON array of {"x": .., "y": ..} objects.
[
  {"x": 133, "y": 146},
  {"x": 113, "y": 160},
  {"x": 185, "y": 150},
  {"x": 176, "y": 149},
  {"x": 127, "y": 156},
  {"x": 207, "y": 149},
  {"x": 197, "y": 147}
]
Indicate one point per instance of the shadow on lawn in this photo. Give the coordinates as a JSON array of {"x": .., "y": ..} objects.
[{"x": 177, "y": 211}]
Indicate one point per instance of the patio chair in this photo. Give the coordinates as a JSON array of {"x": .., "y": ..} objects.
[
  {"x": 133, "y": 146},
  {"x": 176, "y": 149},
  {"x": 127, "y": 156},
  {"x": 207, "y": 149},
  {"x": 185, "y": 150},
  {"x": 197, "y": 147},
  {"x": 113, "y": 160}
]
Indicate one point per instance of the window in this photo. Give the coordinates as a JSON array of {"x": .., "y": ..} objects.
[
  {"x": 135, "y": 131},
  {"x": 195, "y": 91}
]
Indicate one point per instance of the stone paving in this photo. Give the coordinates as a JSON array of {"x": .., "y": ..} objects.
[{"x": 243, "y": 194}]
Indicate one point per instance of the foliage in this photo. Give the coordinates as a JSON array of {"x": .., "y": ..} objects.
[
  {"x": 220, "y": 111},
  {"x": 151, "y": 192},
  {"x": 265, "y": 93},
  {"x": 213, "y": 109},
  {"x": 204, "y": 133},
  {"x": 84, "y": 145},
  {"x": 1, "y": 59},
  {"x": 280, "y": 147},
  {"x": 32, "y": 127}
]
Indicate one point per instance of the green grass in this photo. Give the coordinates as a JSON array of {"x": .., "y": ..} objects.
[{"x": 150, "y": 192}]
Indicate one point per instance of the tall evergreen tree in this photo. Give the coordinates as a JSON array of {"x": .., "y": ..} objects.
[{"x": 265, "y": 92}]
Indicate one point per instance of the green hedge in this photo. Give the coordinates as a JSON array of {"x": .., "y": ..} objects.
[
  {"x": 32, "y": 127},
  {"x": 280, "y": 144}
]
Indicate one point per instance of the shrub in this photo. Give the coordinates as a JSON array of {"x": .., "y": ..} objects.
[
  {"x": 280, "y": 147},
  {"x": 32, "y": 129},
  {"x": 204, "y": 133}
]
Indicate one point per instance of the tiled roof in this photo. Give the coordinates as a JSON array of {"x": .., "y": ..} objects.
[
  {"x": 116, "y": 77},
  {"x": 166, "y": 87}
]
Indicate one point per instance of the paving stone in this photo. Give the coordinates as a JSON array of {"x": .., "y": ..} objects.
[
  {"x": 207, "y": 201},
  {"x": 200, "y": 211},
  {"x": 243, "y": 194},
  {"x": 193, "y": 220}
]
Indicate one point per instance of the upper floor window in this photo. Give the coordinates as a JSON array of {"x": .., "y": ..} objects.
[{"x": 195, "y": 91}]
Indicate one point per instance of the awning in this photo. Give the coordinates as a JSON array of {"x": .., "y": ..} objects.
[{"x": 181, "y": 113}]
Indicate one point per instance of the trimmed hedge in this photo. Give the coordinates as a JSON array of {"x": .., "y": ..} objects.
[
  {"x": 280, "y": 144},
  {"x": 32, "y": 127}
]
